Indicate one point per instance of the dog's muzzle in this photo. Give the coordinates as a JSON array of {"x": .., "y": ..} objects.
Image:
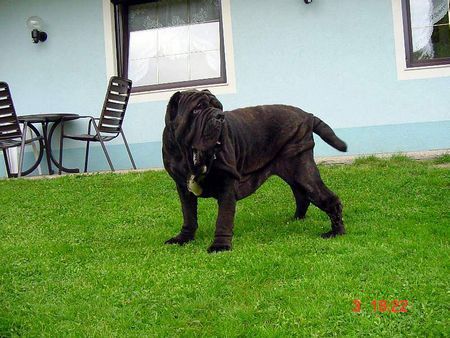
[
  {"x": 199, "y": 173},
  {"x": 196, "y": 161},
  {"x": 195, "y": 178}
]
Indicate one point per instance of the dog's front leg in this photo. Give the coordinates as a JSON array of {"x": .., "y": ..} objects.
[
  {"x": 225, "y": 220},
  {"x": 189, "y": 209}
]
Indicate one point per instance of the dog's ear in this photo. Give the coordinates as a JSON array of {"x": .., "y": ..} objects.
[
  {"x": 172, "y": 108},
  {"x": 213, "y": 99},
  {"x": 216, "y": 103}
]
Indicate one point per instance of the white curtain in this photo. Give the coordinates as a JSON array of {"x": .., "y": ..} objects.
[
  {"x": 13, "y": 154},
  {"x": 169, "y": 13},
  {"x": 424, "y": 14}
]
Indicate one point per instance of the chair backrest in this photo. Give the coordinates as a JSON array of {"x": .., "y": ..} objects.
[
  {"x": 115, "y": 105},
  {"x": 9, "y": 124}
]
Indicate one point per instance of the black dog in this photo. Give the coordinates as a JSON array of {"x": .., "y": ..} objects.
[{"x": 228, "y": 155}]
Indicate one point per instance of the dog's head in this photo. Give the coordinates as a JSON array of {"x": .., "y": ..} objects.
[{"x": 196, "y": 119}]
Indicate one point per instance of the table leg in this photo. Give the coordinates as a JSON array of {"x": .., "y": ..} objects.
[
  {"x": 35, "y": 152},
  {"x": 61, "y": 143},
  {"x": 55, "y": 162},
  {"x": 47, "y": 148}
]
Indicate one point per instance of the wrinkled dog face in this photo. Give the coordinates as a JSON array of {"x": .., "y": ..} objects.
[{"x": 196, "y": 119}]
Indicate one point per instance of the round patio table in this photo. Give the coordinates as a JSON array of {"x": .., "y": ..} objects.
[{"x": 45, "y": 120}]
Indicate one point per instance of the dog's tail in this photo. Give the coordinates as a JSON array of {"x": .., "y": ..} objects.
[{"x": 327, "y": 134}]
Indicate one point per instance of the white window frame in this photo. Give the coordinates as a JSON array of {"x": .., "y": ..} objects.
[
  {"x": 162, "y": 95},
  {"x": 403, "y": 72}
]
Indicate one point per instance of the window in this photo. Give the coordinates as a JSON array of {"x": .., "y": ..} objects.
[
  {"x": 170, "y": 43},
  {"x": 427, "y": 32}
]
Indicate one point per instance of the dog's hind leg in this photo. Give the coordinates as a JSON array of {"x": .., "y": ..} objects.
[
  {"x": 309, "y": 180},
  {"x": 189, "y": 209},
  {"x": 287, "y": 173},
  {"x": 301, "y": 200}
]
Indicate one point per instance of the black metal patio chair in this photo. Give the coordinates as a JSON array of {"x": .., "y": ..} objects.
[
  {"x": 11, "y": 135},
  {"x": 109, "y": 124}
]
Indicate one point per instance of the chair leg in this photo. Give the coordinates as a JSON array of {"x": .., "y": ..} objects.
[
  {"x": 5, "y": 155},
  {"x": 22, "y": 149},
  {"x": 128, "y": 149},
  {"x": 87, "y": 148},
  {"x": 106, "y": 152},
  {"x": 86, "y": 157}
]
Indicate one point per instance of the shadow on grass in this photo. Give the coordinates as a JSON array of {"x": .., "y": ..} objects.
[{"x": 9, "y": 327}]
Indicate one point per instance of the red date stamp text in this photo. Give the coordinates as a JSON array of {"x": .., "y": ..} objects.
[{"x": 395, "y": 306}]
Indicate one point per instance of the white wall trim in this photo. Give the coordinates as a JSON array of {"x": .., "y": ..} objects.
[
  {"x": 403, "y": 72},
  {"x": 110, "y": 38},
  {"x": 163, "y": 95}
]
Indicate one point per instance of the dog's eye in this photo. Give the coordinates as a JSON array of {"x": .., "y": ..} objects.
[
  {"x": 200, "y": 106},
  {"x": 196, "y": 111}
]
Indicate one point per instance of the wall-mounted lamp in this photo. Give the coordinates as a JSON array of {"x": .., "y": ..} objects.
[
  {"x": 35, "y": 24},
  {"x": 308, "y": 1}
]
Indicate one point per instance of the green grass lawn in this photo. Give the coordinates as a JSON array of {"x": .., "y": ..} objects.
[{"x": 84, "y": 255}]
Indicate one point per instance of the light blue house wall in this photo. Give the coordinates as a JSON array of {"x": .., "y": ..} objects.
[{"x": 335, "y": 59}]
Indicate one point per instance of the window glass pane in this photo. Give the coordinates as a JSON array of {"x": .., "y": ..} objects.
[
  {"x": 143, "y": 44},
  {"x": 205, "y": 65},
  {"x": 441, "y": 38},
  {"x": 430, "y": 29},
  {"x": 173, "y": 13},
  {"x": 205, "y": 36},
  {"x": 204, "y": 10},
  {"x": 168, "y": 13},
  {"x": 174, "y": 41},
  {"x": 174, "y": 68},
  {"x": 143, "y": 72},
  {"x": 144, "y": 16}
]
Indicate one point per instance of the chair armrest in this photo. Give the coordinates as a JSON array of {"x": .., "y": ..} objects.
[{"x": 91, "y": 121}]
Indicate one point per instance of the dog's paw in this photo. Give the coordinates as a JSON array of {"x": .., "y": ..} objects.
[
  {"x": 333, "y": 233},
  {"x": 219, "y": 247},
  {"x": 180, "y": 240},
  {"x": 299, "y": 217}
]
